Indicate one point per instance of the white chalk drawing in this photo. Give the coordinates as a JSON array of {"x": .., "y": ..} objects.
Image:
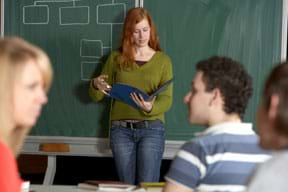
[
  {"x": 67, "y": 10},
  {"x": 118, "y": 8},
  {"x": 88, "y": 65},
  {"x": 69, "y": 16},
  {"x": 43, "y": 9},
  {"x": 88, "y": 44}
]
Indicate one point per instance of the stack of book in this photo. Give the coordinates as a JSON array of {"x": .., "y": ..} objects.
[
  {"x": 116, "y": 186},
  {"x": 105, "y": 186}
]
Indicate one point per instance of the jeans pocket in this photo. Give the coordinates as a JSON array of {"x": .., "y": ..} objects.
[
  {"x": 114, "y": 132},
  {"x": 159, "y": 126},
  {"x": 113, "y": 128}
]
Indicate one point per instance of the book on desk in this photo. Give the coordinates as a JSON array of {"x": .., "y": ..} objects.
[
  {"x": 117, "y": 186},
  {"x": 152, "y": 186},
  {"x": 100, "y": 186}
]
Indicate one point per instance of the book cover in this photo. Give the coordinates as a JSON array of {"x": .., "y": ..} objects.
[
  {"x": 152, "y": 186},
  {"x": 121, "y": 92},
  {"x": 105, "y": 185}
]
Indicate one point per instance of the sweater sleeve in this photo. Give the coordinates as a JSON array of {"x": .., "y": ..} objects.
[
  {"x": 163, "y": 101},
  {"x": 108, "y": 69}
]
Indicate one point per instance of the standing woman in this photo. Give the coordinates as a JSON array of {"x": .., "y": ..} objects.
[
  {"x": 137, "y": 136},
  {"x": 25, "y": 77}
]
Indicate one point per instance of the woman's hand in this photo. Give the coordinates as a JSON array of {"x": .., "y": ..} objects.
[
  {"x": 101, "y": 84},
  {"x": 144, "y": 105}
]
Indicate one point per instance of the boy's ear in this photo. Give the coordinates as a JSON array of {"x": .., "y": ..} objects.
[
  {"x": 273, "y": 108},
  {"x": 216, "y": 96}
]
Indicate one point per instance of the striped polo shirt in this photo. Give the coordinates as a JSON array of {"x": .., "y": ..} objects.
[{"x": 219, "y": 159}]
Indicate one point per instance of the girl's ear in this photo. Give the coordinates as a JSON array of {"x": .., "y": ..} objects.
[{"x": 273, "y": 108}]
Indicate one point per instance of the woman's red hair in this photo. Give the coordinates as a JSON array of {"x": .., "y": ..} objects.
[{"x": 133, "y": 17}]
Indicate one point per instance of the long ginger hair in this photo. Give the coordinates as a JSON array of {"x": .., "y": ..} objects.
[{"x": 133, "y": 17}]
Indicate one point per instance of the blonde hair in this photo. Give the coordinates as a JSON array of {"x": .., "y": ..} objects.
[{"x": 14, "y": 55}]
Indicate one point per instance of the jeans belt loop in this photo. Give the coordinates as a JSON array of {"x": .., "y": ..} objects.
[
  {"x": 146, "y": 123},
  {"x": 131, "y": 125}
]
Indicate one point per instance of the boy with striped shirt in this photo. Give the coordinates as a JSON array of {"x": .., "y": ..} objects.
[{"x": 223, "y": 156}]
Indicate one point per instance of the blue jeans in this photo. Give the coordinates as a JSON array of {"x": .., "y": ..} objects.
[{"x": 138, "y": 152}]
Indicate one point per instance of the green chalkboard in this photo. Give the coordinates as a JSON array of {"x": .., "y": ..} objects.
[
  {"x": 78, "y": 35},
  {"x": 191, "y": 30}
]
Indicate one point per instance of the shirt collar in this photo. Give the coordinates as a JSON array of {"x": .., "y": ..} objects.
[{"x": 228, "y": 127}]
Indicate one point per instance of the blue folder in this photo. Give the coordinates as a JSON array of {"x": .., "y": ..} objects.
[{"x": 121, "y": 92}]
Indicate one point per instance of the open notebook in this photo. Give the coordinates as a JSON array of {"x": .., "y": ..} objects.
[{"x": 121, "y": 92}]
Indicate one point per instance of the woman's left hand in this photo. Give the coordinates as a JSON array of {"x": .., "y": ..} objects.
[{"x": 144, "y": 105}]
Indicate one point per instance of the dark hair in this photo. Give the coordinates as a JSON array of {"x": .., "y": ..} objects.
[
  {"x": 133, "y": 17},
  {"x": 277, "y": 83},
  {"x": 233, "y": 81}
]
